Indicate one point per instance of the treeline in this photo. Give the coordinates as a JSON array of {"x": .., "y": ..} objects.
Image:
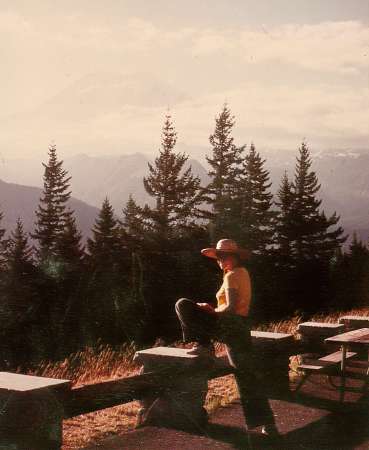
[{"x": 58, "y": 295}]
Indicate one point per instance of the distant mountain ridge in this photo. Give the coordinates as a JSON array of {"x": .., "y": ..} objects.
[
  {"x": 94, "y": 178},
  {"x": 21, "y": 201},
  {"x": 344, "y": 178}
]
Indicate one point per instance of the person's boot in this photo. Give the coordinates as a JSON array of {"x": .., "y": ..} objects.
[
  {"x": 270, "y": 430},
  {"x": 272, "y": 433}
]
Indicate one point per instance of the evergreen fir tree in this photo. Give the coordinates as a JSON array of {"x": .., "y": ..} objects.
[
  {"x": 313, "y": 238},
  {"x": 67, "y": 308},
  {"x": 20, "y": 295},
  {"x": 307, "y": 242},
  {"x": 19, "y": 253},
  {"x": 283, "y": 226},
  {"x": 175, "y": 189},
  {"x": 52, "y": 213},
  {"x": 351, "y": 276},
  {"x": 69, "y": 246},
  {"x": 104, "y": 244},
  {"x": 106, "y": 276},
  {"x": 224, "y": 171},
  {"x": 3, "y": 243},
  {"x": 255, "y": 218},
  {"x": 168, "y": 224},
  {"x": 133, "y": 226}
]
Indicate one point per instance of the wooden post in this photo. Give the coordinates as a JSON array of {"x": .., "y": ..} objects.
[
  {"x": 31, "y": 414},
  {"x": 272, "y": 357},
  {"x": 181, "y": 403}
]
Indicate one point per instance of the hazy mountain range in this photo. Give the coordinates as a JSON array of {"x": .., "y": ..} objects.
[
  {"x": 344, "y": 178},
  {"x": 21, "y": 201}
]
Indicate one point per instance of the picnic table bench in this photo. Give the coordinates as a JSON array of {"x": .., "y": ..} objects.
[
  {"x": 33, "y": 408},
  {"x": 183, "y": 403},
  {"x": 326, "y": 364},
  {"x": 313, "y": 333},
  {"x": 31, "y": 411},
  {"x": 351, "y": 322},
  {"x": 357, "y": 338}
]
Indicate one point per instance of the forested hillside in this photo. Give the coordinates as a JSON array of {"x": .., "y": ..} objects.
[{"x": 60, "y": 293}]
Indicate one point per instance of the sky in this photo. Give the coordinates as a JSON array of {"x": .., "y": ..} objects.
[{"x": 98, "y": 77}]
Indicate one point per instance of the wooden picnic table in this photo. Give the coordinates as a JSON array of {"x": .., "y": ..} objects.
[
  {"x": 357, "y": 338},
  {"x": 354, "y": 338}
]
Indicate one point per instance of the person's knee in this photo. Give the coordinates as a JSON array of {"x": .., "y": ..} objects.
[{"x": 182, "y": 303}]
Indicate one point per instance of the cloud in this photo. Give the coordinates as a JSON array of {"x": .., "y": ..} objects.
[
  {"x": 12, "y": 22},
  {"x": 323, "y": 47},
  {"x": 283, "y": 83}
]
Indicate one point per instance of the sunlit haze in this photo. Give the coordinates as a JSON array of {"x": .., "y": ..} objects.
[{"x": 98, "y": 77}]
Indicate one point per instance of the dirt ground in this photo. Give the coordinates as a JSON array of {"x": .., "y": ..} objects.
[{"x": 311, "y": 420}]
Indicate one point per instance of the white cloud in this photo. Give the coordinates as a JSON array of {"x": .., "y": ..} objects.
[
  {"x": 323, "y": 47},
  {"x": 282, "y": 83},
  {"x": 12, "y": 22}
]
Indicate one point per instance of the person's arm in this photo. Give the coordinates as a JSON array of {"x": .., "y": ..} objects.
[{"x": 231, "y": 298}]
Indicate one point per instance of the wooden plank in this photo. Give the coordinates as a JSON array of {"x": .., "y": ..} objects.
[
  {"x": 170, "y": 352},
  {"x": 94, "y": 397},
  {"x": 320, "y": 325},
  {"x": 319, "y": 329},
  {"x": 165, "y": 356},
  {"x": 336, "y": 357},
  {"x": 16, "y": 382},
  {"x": 355, "y": 336},
  {"x": 330, "y": 360},
  {"x": 355, "y": 321},
  {"x": 269, "y": 336},
  {"x": 363, "y": 339},
  {"x": 316, "y": 367}
]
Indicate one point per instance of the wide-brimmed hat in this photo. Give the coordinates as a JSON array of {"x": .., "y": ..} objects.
[{"x": 226, "y": 246}]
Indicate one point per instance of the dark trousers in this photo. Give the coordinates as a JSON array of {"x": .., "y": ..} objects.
[{"x": 234, "y": 331}]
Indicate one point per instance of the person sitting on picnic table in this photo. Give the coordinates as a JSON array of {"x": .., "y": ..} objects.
[{"x": 229, "y": 323}]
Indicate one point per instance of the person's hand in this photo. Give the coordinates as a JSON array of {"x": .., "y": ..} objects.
[{"x": 206, "y": 307}]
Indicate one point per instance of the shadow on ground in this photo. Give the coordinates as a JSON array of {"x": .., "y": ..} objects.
[{"x": 306, "y": 423}]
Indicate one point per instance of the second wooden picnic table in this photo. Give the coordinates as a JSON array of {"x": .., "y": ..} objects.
[{"x": 354, "y": 338}]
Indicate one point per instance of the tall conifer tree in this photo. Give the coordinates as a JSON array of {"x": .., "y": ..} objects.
[
  {"x": 20, "y": 295},
  {"x": 3, "y": 242},
  {"x": 104, "y": 244},
  {"x": 70, "y": 287},
  {"x": 69, "y": 244},
  {"x": 255, "y": 217},
  {"x": 312, "y": 235},
  {"x": 306, "y": 238},
  {"x": 52, "y": 213},
  {"x": 105, "y": 278},
  {"x": 175, "y": 189},
  {"x": 284, "y": 230},
  {"x": 225, "y": 168},
  {"x": 133, "y": 225}
]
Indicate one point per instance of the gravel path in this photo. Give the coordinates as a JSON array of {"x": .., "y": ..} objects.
[{"x": 320, "y": 424}]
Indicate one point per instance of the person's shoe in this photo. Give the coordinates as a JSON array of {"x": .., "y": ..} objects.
[
  {"x": 140, "y": 418},
  {"x": 270, "y": 430},
  {"x": 202, "y": 350}
]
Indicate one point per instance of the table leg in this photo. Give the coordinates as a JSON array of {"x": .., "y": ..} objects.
[
  {"x": 366, "y": 384},
  {"x": 343, "y": 370},
  {"x": 343, "y": 359}
]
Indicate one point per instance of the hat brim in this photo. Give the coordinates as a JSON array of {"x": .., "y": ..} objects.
[
  {"x": 212, "y": 253},
  {"x": 209, "y": 252}
]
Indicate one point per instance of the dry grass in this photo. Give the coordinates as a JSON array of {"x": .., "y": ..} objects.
[{"x": 91, "y": 366}]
